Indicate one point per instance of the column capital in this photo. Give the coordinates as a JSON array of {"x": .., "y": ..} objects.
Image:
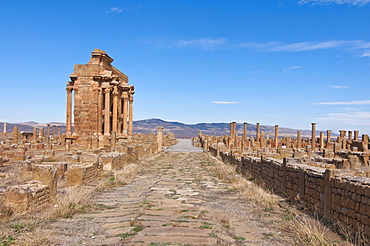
[{"x": 314, "y": 124}]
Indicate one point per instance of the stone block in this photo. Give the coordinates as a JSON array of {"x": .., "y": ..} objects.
[
  {"x": 48, "y": 175},
  {"x": 75, "y": 175},
  {"x": 19, "y": 198}
]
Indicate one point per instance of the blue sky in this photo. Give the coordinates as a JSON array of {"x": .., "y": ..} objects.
[{"x": 288, "y": 62}]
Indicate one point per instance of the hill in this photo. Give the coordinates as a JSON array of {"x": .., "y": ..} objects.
[{"x": 181, "y": 130}]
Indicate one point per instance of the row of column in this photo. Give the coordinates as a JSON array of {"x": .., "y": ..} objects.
[
  {"x": 34, "y": 133},
  {"x": 233, "y": 135},
  {"x": 122, "y": 109}
]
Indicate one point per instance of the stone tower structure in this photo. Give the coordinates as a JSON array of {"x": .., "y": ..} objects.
[{"x": 102, "y": 100}]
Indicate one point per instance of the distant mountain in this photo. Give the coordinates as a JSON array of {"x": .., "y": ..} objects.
[{"x": 180, "y": 130}]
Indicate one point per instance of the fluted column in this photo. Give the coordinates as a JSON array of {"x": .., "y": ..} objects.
[
  {"x": 115, "y": 109},
  {"x": 313, "y": 136},
  {"x": 125, "y": 114},
  {"x": 100, "y": 111},
  {"x": 107, "y": 112},
  {"x": 299, "y": 139},
  {"x": 69, "y": 112},
  {"x": 131, "y": 116}
]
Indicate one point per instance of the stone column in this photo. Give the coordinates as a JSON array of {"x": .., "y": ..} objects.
[
  {"x": 131, "y": 116},
  {"x": 349, "y": 135},
  {"x": 15, "y": 135},
  {"x": 356, "y": 135},
  {"x": 54, "y": 130},
  {"x": 115, "y": 109},
  {"x": 328, "y": 133},
  {"x": 58, "y": 131},
  {"x": 48, "y": 133},
  {"x": 258, "y": 132},
  {"x": 107, "y": 112},
  {"x": 69, "y": 112},
  {"x": 245, "y": 131},
  {"x": 299, "y": 139},
  {"x": 41, "y": 132},
  {"x": 343, "y": 140},
  {"x": 365, "y": 142},
  {"x": 276, "y": 135},
  {"x": 34, "y": 135},
  {"x": 313, "y": 136},
  {"x": 160, "y": 138},
  {"x": 100, "y": 111},
  {"x": 321, "y": 141},
  {"x": 120, "y": 114},
  {"x": 262, "y": 140},
  {"x": 4, "y": 127},
  {"x": 125, "y": 114}
]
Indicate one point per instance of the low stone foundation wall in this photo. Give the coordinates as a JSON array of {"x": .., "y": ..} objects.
[
  {"x": 21, "y": 197},
  {"x": 82, "y": 174},
  {"x": 331, "y": 193}
]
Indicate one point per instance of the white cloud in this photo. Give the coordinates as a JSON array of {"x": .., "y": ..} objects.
[
  {"x": 291, "y": 68},
  {"x": 338, "y": 86},
  {"x": 325, "y": 2},
  {"x": 309, "y": 45},
  {"x": 204, "y": 43},
  {"x": 364, "y": 102},
  {"x": 351, "y": 118},
  {"x": 224, "y": 102},
  {"x": 114, "y": 10},
  {"x": 257, "y": 71},
  {"x": 365, "y": 55}
]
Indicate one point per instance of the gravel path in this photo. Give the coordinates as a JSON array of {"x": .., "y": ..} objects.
[{"x": 177, "y": 201}]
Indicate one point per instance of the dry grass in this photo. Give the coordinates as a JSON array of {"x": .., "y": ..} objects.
[
  {"x": 246, "y": 188},
  {"x": 127, "y": 174},
  {"x": 68, "y": 202},
  {"x": 71, "y": 201},
  {"x": 311, "y": 231},
  {"x": 308, "y": 230}
]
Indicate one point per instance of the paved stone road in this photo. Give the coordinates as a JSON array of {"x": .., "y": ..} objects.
[{"x": 177, "y": 201}]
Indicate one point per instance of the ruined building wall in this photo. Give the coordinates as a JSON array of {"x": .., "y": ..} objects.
[
  {"x": 101, "y": 101},
  {"x": 333, "y": 194}
]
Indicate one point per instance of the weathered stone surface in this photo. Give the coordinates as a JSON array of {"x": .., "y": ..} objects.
[{"x": 19, "y": 198}]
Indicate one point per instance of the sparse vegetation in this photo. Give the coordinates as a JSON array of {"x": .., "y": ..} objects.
[{"x": 246, "y": 188}]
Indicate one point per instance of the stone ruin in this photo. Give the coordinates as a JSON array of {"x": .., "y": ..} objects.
[
  {"x": 34, "y": 166},
  {"x": 328, "y": 177}
]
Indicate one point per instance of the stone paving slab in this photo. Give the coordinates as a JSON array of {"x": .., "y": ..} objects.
[{"x": 177, "y": 201}]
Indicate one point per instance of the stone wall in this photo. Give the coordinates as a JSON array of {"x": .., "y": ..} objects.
[
  {"x": 332, "y": 194},
  {"x": 20, "y": 198},
  {"x": 49, "y": 168}
]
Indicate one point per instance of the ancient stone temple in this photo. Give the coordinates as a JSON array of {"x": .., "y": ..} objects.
[{"x": 102, "y": 100}]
